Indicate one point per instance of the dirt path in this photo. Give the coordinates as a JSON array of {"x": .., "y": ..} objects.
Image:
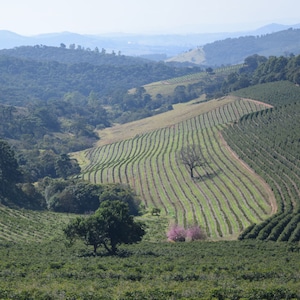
[
  {"x": 267, "y": 188},
  {"x": 258, "y": 102}
]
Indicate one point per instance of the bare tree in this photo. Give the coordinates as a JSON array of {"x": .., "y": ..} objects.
[{"x": 192, "y": 157}]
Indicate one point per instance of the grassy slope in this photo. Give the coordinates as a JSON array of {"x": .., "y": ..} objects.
[{"x": 196, "y": 56}]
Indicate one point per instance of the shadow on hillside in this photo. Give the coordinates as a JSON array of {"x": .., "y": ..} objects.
[{"x": 207, "y": 176}]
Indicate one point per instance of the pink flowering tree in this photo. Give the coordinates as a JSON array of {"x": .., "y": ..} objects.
[
  {"x": 194, "y": 233},
  {"x": 176, "y": 233}
]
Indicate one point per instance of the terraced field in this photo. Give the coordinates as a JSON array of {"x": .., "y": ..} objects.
[{"x": 225, "y": 198}]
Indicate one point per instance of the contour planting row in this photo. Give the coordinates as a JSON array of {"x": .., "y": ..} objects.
[
  {"x": 29, "y": 226},
  {"x": 223, "y": 199},
  {"x": 269, "y": 142}
]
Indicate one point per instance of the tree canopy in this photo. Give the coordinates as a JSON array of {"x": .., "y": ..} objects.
[
  {"x": 9, "y": 169},
  {"x": 110, "y": 226}
]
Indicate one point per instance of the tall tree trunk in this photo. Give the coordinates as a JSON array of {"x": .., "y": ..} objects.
[
  {"x": 192, "y": 172},
  {"x": 109, "y": 250},
  {"x": 95, "y": 249}
]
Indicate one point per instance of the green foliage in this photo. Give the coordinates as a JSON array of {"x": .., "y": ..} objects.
[
  {"x": 9, "y": 169},
  {"x": 202, "y": 270},
  {"x": 274, "y": 93},
  {"x": 38, "y": 78},
  {"x": 73, "y": 196},
  {"x": 66, "y": 167},
  {"x": 110, "y": 226},
  {"x": 72, "y": 55},
  {"x": 121, "y": 192},
  {"x": 258, "y": 70},
  {"x": 78, "y": 196},
  {"x": 12, "y": 191}
]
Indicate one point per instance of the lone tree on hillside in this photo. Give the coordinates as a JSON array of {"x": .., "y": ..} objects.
[
  {"x": 192, "y": 157},
  {"x": 110, "y": 226}
]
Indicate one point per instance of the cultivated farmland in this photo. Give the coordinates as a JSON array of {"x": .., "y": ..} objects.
[
  {"x": 269, "y": 142},
  {"x": 28, "y": 226},
  {"x": 167, "y": 87},
  {"x": 225, "y": 198}
]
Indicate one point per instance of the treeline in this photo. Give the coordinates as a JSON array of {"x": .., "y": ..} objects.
[
  {"x": 234, "y": 50},
  {"x": 259, "y": 69},
  {"x": 73, "y": 54}
]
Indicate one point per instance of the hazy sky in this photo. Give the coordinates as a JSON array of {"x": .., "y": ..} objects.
[{"x": 29, "y": 17}]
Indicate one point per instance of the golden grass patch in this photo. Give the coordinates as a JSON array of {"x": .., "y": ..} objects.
[{"x": 181, "y": 112}]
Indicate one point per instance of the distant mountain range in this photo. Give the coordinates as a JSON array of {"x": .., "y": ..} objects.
[{"x": 155, "y": 46}]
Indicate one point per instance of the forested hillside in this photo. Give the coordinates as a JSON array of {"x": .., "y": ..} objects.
[
  {"x": 24, "y": 80},
  {"x": 72, "y": 55},
  {"x": 52, "y": 99},
  {"x": 235, "y": 50}
]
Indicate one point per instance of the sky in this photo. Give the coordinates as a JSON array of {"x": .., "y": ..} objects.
[{"x": 31, "y": 17}]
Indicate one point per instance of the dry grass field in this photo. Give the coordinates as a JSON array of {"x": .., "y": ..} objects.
[{"x": 181, "y": 112}]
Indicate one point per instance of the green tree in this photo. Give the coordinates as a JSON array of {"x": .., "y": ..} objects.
[
  {"x": 65, "y": 166},
  {"x": 110, "y": 226},
  {"x": 180, "y": 94},
  {"x": 121, "y": 192},
  {"x": 71, "y": 196},
  {"x": 9, "y": 169}
]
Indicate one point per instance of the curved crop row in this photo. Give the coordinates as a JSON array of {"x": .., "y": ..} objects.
[
  {"x": 269, "y": 142},
  {"x": 223, "y": 199},
  {"x": 30, "y": 226}
]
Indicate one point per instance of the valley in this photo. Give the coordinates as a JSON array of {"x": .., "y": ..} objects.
[{"x": 80, "y": 128}]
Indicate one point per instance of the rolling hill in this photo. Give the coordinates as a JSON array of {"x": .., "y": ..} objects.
[
  {"x": 248, "y": 189},
  {"x": 232, "y": 51},
  {"x": 224, "y": 199}
]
